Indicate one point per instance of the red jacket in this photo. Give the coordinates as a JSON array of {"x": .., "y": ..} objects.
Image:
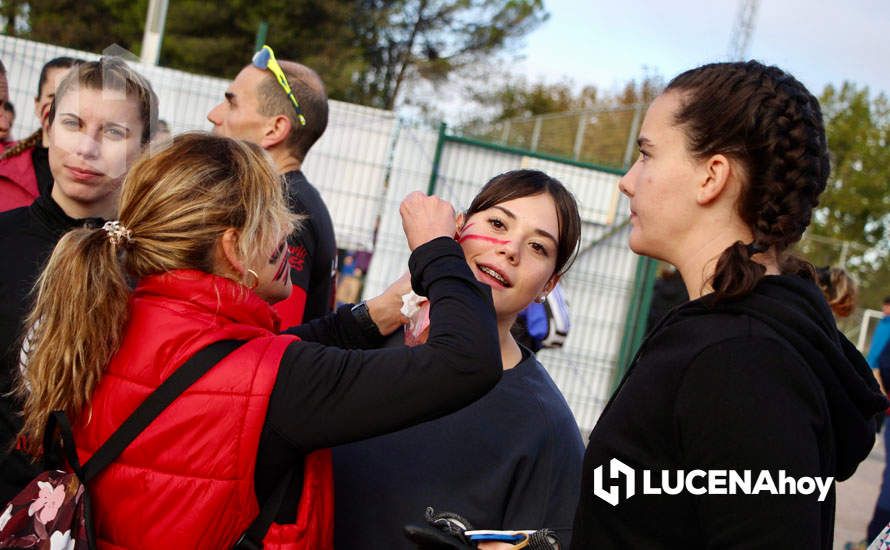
[
  {"x": 18, "y": 181},
  {"x": 188, "y": 480}
]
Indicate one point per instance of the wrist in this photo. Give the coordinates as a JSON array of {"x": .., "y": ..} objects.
[
  {"x": 384, "y": 312},
  {"x": 362, "y": 315}
]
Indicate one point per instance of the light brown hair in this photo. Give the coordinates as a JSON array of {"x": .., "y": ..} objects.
[{"x": 176, "y": 204}]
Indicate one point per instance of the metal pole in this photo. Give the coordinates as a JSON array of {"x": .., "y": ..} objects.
[
  {"x": 536, "y": 134},
  {"x": 434, "y": 176},
  {"x": 506, "y": 136},
  {"x": 155, "y": 20},
  {"x": 632, "y": 136},
  {"x": 579, "y": 136}
]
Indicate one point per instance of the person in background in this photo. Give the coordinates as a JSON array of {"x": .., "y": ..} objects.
[
  {"x": 512, "y": 459},
  {"x": 24, "y": 167},
  {"x": 7, "y": 119},
  {"x": 202, "y": 235},
  {"x": 879, "y": 361},
  {"x": 839, "y": 290},
  {"x": 668, "y": 292},
  {"x": 94, "y": 137},
  {"x": 4, "y": 97},
  {"x": 162, "y": 135},
  {"x": 282, "y": 107},
  {"x": 752, "y": 374}
]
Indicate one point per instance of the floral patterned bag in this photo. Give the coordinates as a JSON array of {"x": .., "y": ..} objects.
[{"x": 52, "y": 511}]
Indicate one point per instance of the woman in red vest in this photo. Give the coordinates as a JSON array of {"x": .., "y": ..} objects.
[{"x": 202, "y": 232}]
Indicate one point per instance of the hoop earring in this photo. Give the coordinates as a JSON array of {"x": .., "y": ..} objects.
[{"x": 256, "y": 281}]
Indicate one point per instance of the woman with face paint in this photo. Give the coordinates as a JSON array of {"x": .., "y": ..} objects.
[
  {"x": 98, "y": 125},
  {"x": 512, "y": 459},
  {"x": 201, "y": 233},
  {"x": 745, "y": 404}
]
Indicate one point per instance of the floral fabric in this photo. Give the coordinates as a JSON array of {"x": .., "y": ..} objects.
[{"x": 47, "y": 514}]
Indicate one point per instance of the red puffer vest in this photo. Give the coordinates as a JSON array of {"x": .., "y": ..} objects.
[
  {"x": 187, "y": 481},
  {"x": 18, "y": 181}
]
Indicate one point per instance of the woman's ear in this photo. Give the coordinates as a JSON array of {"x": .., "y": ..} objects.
[
  {"x": 718, "y": 171},
  {"x": 228, "y": 253},
  {"x": 550, "y": 284},
  {"x": 459, "y": 222}
]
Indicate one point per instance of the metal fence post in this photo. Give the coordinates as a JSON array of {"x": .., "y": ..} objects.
[
  {"x": 632, "y": 136},
  {"x": 637, "y": 316},
  {"x": 579, "y": 135},
  {"x": 434, "y": 176},
  {"x": 536, "y": 134}
]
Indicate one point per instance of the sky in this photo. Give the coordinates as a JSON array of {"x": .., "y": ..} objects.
[{"x": 609, "y": 42}]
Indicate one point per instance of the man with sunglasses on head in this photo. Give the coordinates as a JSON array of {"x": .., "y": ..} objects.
[{"x": 282, "y": 107}]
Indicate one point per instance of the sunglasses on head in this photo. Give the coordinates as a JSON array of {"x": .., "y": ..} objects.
[{"x": 265, "y": 59}]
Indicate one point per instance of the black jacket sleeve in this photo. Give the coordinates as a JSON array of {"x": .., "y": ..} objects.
[
  {"x": 748, "y": 404},
  {"x": 339, "y": 328},
  {"x": 325, "y": 396}
]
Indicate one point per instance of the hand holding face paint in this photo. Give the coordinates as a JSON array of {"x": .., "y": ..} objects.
[{"x": 426, "y": 218}]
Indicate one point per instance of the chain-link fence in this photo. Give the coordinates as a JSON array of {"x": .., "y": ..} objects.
[
  {"x": 605, "y": 137},
  {"x": 368, "y": 160}
]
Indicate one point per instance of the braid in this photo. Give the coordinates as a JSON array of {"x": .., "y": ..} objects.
[
  {"x": 767, "y": 121},
  {"x": 23, "y": 145}
]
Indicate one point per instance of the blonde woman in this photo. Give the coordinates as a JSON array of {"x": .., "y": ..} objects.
[{"x": 202, "y": 233}]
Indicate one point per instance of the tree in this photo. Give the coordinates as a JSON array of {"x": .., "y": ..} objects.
[
  {"x": 855, "y": 207},
  {"x": 430, "y": 39}
]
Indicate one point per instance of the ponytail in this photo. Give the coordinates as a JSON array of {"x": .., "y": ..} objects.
[{"x": 74, "y": 329}]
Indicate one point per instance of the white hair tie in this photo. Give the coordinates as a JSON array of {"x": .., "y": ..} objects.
[{"x": 116, "y": 231}]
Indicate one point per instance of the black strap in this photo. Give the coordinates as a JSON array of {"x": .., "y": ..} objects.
[
  {"x": 252, "y": 539},
  {"x": 154, "y": 404}
]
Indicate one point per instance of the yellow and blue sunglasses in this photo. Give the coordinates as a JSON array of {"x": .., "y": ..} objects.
[{"x": 265, "y": 59}]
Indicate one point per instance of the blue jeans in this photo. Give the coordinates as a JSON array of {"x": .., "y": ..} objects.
[{"x": 881, "y": 517}]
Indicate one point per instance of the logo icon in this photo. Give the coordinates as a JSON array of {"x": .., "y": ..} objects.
[{"x": 616, "y": 469}]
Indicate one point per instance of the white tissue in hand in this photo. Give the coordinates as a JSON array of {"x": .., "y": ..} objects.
[{"x": 411, "y": 303}]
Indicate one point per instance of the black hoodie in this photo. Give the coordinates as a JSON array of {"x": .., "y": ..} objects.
[
  {"x": 27, "y": 238},
  {"x": 763, "y": 383}
]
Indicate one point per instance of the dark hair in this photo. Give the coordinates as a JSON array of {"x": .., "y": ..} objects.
[
  {"x": 55, "y": 63},
  {"x": 771, "y": 125},
  {"x": 838, "y": 288},
  {"x": 310, "y": 93},
  {"x": 525, "y": 183},
  {"x": 886, "y": 300},
  {"x": 2, "y": 68},
  {"x": 113, "y": 73},
  {"x": 9, "y": 107}
]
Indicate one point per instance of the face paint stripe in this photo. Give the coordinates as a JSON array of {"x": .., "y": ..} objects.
[
  {"x": 282, "y": 267},
  {"x": 482, "y": 238}
]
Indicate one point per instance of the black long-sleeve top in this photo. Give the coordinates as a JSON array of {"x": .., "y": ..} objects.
[
  {"x": 325, "y": 396},
  {"x": 762, "y": 383}
]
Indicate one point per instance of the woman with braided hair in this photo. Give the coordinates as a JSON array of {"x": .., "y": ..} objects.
[
  {"x": 752, "y": 374},
  {"x": 24, "y": 166}
]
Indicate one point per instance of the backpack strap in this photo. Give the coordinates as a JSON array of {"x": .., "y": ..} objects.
[
  {"x": 175, "y": 384},
  {"x": 252, "y": 538}
]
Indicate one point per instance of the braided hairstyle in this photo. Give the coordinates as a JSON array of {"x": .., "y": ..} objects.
[
  {"x": 771, "y": 125},
  {"x": 36, "y": 137}
]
